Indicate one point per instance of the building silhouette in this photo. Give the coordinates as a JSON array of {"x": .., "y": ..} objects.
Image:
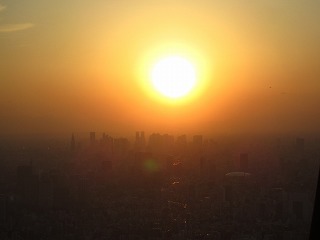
[
  {"x": 27, "y": 185},
  {"x": 92, "y": 137},
  {"x": 244, "y": 162},
  {"x": 72, "y": 143}
]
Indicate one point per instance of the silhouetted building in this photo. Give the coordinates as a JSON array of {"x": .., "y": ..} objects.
[
  {"x": 112, "y": 191},
  {"x": 80, "y": 191},
  {"x": 27, "y": 185},
  {"x": 3, "y": 209},
  {"x": 92, "y": 137},
  {"x": 197, "y": 140},
  {"x": 277, "y": 195},
  {"x": 203, "y": 167},
  {"x": 262, "y": 211},
  {"x": 297, "y": 209},
  {"x": 169, "y": 164},
  {"x": 168, "y": 143},
  {"x": 104, "y": 172},
  {"x": 107, "y": 142},
  {"x": 300, "y": 148},
  {"x": 161, "y": 144},
  {"x": 106, "y": 166},
  {"x": 244, "y": 162},
  {"x": 121, "y": 145},
  {"x": 142, "y": 141},
  {"x": 192, "y": 192},
  {"x": 182, "y": 140},
  {"x": 181, "y": 143},
  {"x": 154, "y": 143},
  {"x": 300, "y": 205},
  {"x": 228, "y": 193},
  {"x": 72, "y": 143},
  {"x": 300, "y": 143},
  {"x": 53, "y": 190},
  {"x": 141, "y": 160},
  {"x": 177, "y": 169}
]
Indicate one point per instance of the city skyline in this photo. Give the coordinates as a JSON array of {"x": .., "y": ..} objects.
[
  {"x": 159, "y": 120},
  {"x": 159, "y": 187}
]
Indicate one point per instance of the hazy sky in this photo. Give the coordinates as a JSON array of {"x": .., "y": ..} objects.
[{"x": 80, "y": 65}]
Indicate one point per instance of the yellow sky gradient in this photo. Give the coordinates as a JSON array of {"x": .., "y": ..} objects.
[{"x": 83, "y": 65}]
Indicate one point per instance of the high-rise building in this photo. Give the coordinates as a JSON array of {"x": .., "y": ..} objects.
[
  {"x": 228, "y": 195},
  {"x": 300, "y": 149},
  {"x": 197, "y": 143},
  {"x": 244, "y": 162},
  {"x": 277, "y": 196},
  {"x": 27, "y": 185},
  {"x": 3, "y": 209},
  {"x": 197, "y": 140},
  {"x": 181, "y": 144},
  {"x": 142, "y": 141},
  {"x": 297, "y": 209},
  {"x": 168, "y": 143},
  {"x": 169, "y": 163},
  {"x": 92, "y": 137},
  {"x": 182, "y": 140},
  {"x": 155, "y": 143},
  {"x": 140, "y": 160},
  {"x": 121, "y": 145},
  {"x": 300, "y": 143},
  {"x": 137, "y": 142},
  {"x": 72, "y": 143},
  {"x": 202, "y": 165},
  {"x": 106, "y": 166}
]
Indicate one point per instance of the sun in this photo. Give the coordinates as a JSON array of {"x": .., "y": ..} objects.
[{"x": 173, "y": 76}]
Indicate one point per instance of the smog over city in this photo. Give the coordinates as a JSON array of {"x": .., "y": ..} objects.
[{"x": 165, "y": 120}]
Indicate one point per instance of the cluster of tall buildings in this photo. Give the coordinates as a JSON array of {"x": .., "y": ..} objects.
[{"x": 162, "y": 187}]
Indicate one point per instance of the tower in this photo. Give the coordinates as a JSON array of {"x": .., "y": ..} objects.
[
  {"x": 142, "y": 141},
  {"x": 244, "y": 162},
  {"x": 72, "y": 143},
  {"x": 27, "y": 185},
  {"x": 3, "y": 209},
  {"x": 137, "y": 142},
  {"x": 92, "y": 137},
  {"x": 197, "y": 143}
]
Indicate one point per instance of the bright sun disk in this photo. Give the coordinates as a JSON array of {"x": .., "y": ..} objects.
[{"x": 173, "y": 76}]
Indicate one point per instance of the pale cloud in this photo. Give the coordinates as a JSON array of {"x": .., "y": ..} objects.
[{"x": 15, "y": 27}]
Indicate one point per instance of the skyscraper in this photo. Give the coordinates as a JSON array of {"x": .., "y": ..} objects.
[
  {"x": 3, "y": 209},
  {"x": 244, "y": 162},
  {"x": 27, "y": 185},
  {"x": 142, "y": 141},
  {"x": 137, "y": 142},
  {"x": 72, "y": 143},
  {"x": 92, "y": 137},
  {"x": 197, "y": 143}
]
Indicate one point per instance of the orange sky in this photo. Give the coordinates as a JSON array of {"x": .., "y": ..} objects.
[{"x": 76, "y": 66}]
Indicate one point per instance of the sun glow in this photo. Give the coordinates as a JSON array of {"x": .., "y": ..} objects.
[
  {"x": 174, "y": 73},
  {"x": 173, "y": 76}
]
